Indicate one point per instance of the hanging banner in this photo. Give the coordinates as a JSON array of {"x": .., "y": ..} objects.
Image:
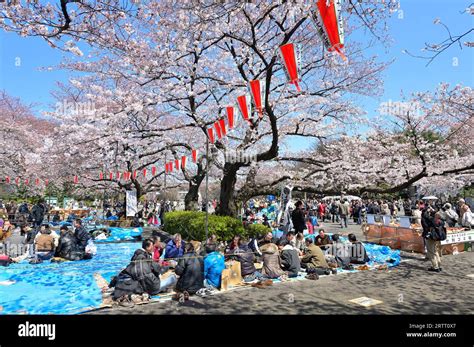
[
  {"x": 153, "y": 170},
  {"x": 17, "y": 181},
  {"x": 101, "y": 176},
  {"x": 218, "y": 129},
  {"x": 126, "y": 175},
  {"x": 288, "y": 58},
  {"x": 131, "y": 202},
  {"x": 117, "y": 175},
  {"x": 329, "y": 25},
  {"x": 210, "y": 132},
  {"x": 183, "y": 161},
  {"x": 222, "y": 127},
  {"x": 46, "y": 181},
  {"x": 76, "y": 180},
  {"x": 135, "y": 174},
  {"x": 176, "y": 164},
  {"x": 194, "y": 155},
  {"x": 111, "y": 176},
  {"x": 256, "y": 90},
  {"x": 7, "y": 180},
  {"x": 37, "y": 181},
  {"x": 230, "y": 116},
  {"x": 144, "y": 172},
  {"x": 170, "y": 166},
  {"x": 244, "y": 107}
]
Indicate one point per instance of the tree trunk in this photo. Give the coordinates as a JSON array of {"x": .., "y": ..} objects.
[
  {"x": 227, "y": 206},
  {"x": 191, "y": 200}
]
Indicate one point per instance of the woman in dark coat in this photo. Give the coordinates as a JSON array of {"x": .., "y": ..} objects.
[{"x": 190, "y": 270}]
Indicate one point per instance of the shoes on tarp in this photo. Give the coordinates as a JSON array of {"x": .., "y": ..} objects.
[
  {"x": 312, "y": 276},
  {"x": 334, "y": 271}
]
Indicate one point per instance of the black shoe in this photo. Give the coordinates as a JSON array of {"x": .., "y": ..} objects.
[
  {"x": 334, "y": 271},
  {"x": 434, "y": 270},
  {"x": 440, "y": 269},
  {"x": 327, "y": 272}
]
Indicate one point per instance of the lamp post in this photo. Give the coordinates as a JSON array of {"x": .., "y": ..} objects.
[{"x": 206, "y": 198}]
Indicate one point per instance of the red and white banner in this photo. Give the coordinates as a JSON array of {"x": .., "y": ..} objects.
[
  {"x": 256, "y": 90},
  {"x": 144, "y": 172},
  {"x": 194, "y": 155},
  {"x": 76, "y": 180},
  {"x": 117, "y": 175},
  {"x": 183, "y": 161},
  {"x": 101, "y": 175},
  {"x": 222, "y": 127},
  {"x": 244, "y": 106},
  {"x": 7, "y": 179},
  {"x": 37, "y": 181},
  {"x": 27, "y": 181},
  {"x": 230, "y": 116},
  {"x": 126, "y": 175},
  {"x": 17, "y": 180},
  {"x": 176, "y": 164},
  {"x": 153, "y": 170},
  {"x": 46, "y": 182},
  {"x": 135, "y": 173},
  {"x": 210, "y": 133},
  {"x": 218, "y": 130},
  {"x": 288, "y": 57},
  {"x": 330, "y": 25}
]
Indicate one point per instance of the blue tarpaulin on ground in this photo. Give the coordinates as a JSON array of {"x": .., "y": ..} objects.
[
  {"x": 61, "y": 288},
  {"x": 122, "y": 234}
]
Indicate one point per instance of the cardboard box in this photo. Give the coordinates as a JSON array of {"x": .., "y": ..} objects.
[
  {"x": 231, "y": 275},
  {"x": 390, "y": 237},
  {"x": 410, "y": 240}
]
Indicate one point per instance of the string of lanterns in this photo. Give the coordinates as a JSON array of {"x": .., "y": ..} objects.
[{"x": 330, "y": 28}]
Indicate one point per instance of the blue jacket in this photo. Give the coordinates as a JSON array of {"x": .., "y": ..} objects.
[
  {"x": 213, "y": 267},
  {"x": 172, "y": 251}
]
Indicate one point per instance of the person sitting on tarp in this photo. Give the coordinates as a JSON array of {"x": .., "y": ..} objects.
[
  {"x": 141, "y": 276},
  {"x": 56, "y": 217},
  {"x": 322, "y": 240},
  {"x": 190, "y": 269},
  {"x": 213, "y": 266},
  {"x": 175, "y": 247},
  {"x": 44, "y": 245},
  {"x": 68, "y": 248},
  {"x": 340, "y": 252},
  {"x": 82, "y": 236},
  {"x": 290, "y": 261},
  {"x": 272, "y": 267},
  {"x": 15, "y": 245},
  {"x": 358, "y": 253},
  {"x": 313, "y": 259},
  {"x": 243, "y": 254},
  {"x": 53, "y": 233}
]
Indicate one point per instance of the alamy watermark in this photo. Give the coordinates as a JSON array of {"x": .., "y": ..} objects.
[
  {"x": 69, "y": 108},
  {"x": 239, "y": 157},
  {"x": 398, "y": 108}
]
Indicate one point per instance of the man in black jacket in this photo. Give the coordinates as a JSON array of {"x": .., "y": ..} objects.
[
  {"x": 82, "y": 236},
  {"x": 245, "y": 256},
  {"x": 290, "y": 260},
  {"x": 190, "y": 270},
  {"x": 297, "y": 217},
  {"x": 37, "y": 213},
  {"x": 67, "y": 246}
]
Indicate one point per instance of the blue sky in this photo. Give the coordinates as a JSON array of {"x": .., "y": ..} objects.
[{"x": 409, "y": 74}]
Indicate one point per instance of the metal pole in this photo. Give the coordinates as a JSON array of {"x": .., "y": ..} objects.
[
  {"x": 164, "y": 197},
  {"x": 207, "y": 188}
]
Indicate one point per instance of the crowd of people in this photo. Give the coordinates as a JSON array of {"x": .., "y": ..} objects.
[{"x": 189, "y": 269}]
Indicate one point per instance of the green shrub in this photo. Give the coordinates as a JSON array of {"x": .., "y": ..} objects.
[
  {"x": 191, "y": 225},
  {"x": 257, "y": 230}
]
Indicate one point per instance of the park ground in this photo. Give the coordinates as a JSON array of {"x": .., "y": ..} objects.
[{"x": 406, "y": 289}]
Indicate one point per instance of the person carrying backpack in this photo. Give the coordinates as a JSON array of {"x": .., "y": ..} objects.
[{"x": 434, "y": 234}]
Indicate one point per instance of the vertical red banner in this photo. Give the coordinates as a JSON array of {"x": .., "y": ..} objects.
[
  {"x": 230, "y": 117},
  {"x": 194, "y": 155}
]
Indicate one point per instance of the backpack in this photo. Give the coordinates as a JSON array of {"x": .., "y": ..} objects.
[{"x": 438, "y": 233}]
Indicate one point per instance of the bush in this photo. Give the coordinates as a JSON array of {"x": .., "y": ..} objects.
[
  {"x": 191, "y": 225},
  {"x": 257, "y": 230}
]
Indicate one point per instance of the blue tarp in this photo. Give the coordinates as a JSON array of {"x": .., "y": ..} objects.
[
  {"x": 61, "y": 288},
  {"x": 122, "y": 234}
]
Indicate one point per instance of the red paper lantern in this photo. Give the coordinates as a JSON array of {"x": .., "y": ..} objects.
[
  {"x": 46, "y": 181},
  {"x": 27, "y": 181},
  {"x": 111, "y": 176},
  {"x": 244, "y": 107},
  {"x": 176, "y": 164},
  {"x": 288, "y": 57},
  {"x": 117, "y": 176},
  {"x": 153, "y": 170},
  {"x": 183, "y": 161},
  {"x": 194, "y": 155},
  {"x": 222, "y": 127},
  {"x": 76, "y": 180},
  {"x": 37, "y": 181},
  {"x": 7, "y": 179},
  {"x": 256, "y": 90},
  {"x": 17, "y": 180},
  {"x": 135, "y": 174},
  {"x": 330, "y": 26},
  {"x": 210, "y": 132},
  {"x": 101, "y": 176},
  {"x": 170, "y": 166},
  {"x": 230, "y": 116},
  {"x": 144, "y": 172},
  {"x": 218, "y": 129}
]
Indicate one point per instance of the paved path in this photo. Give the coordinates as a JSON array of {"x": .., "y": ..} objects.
[{"x": 406, "y": 289}]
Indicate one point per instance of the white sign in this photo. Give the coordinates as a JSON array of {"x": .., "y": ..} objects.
[
  {"x": 463, "y": 236},
  {"x": 131, "y": 200}
]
